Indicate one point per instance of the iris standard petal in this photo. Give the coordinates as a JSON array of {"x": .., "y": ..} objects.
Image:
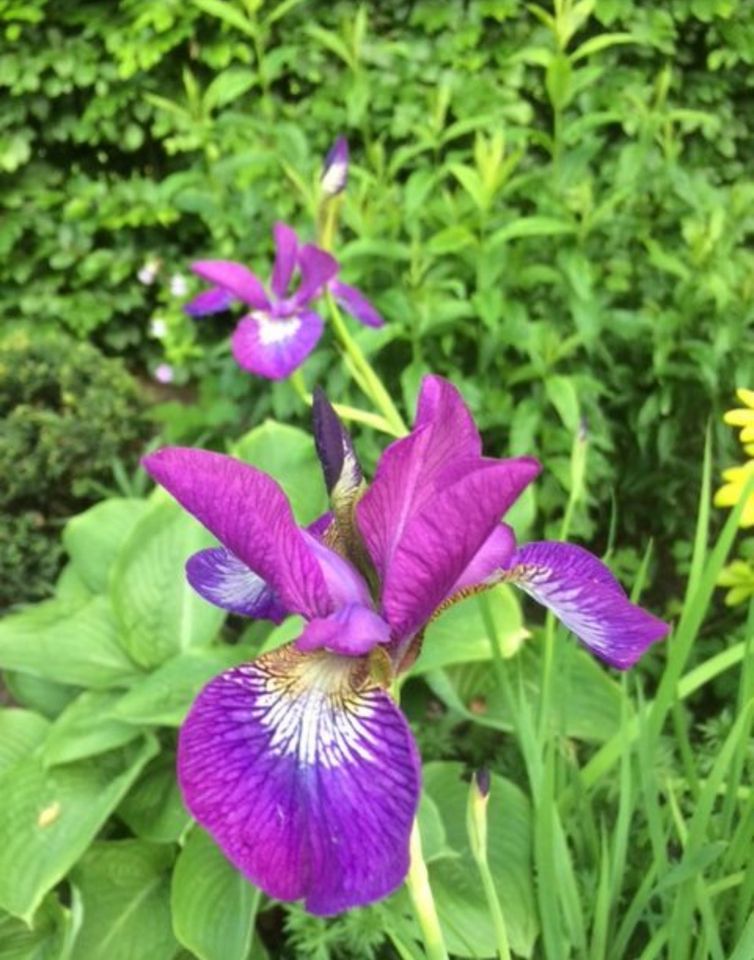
[
  {"x": 352, "y": 630},
  {"x": 443, "y": 445},
  {"x": 583, "y": 593},
  {"x": 286, "y": 252},
  {"x": 354, "y": 302},
  {"x": 221, "y": 578},
  {"x": 306, "y": 776},
  {"x": 209, "y": 301},
  {"x": 250, "y": 516},
  {"x": 237, "y": 279},
  {"x": 444, "y": 537},
  {"x": 317, "y": 269},
  {"x": 274, "y": 347}
]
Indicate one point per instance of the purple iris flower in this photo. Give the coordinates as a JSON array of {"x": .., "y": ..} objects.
[
  {"x": 300, "y": 764},
  {"x": 281, "y": 329}
]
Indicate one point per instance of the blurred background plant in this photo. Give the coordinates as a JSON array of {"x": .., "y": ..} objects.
[
  {"x": 71, "y": 422},
  {"x": 551, "y": 206}
]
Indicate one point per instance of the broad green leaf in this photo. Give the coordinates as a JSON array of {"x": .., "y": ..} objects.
[
  {"x": 165, "y": 695},
  {"x": 94, "y": 537},
  {"x": 431, "y": 829},
  {"x": 158, "y": 612},
  {"x": 85, "y": 728},
  {"x": 287, "y": 454},
  {"x": 214, "y": 905},
  {"x": 153, "y": 807},
  {"x": 558, "y": 81},
  {"x": 585, "y": 702},
  {"x": 21, "y": 732},
  {"x": 455, "y": 882},
  {"x": 49, "y": 938},
  {"x": 450, "y": 240},
  {"x": 45, "y": 697},
  {"x": 125, "y": 892},
  {"x": 68, "y": 643},
  {"x": 228, "y": 86},
  {"x": 460, "y": 634},
  {"x": 49, "y": 817},
  {"x": 228, "y": 13}
]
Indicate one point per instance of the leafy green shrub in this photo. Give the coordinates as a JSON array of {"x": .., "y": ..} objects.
[{"x": 67, "y": 415}]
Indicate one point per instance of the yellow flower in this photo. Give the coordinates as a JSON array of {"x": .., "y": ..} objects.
[
  {"x": 730, "y": 493},
  {"x": 743, "y": 416}
]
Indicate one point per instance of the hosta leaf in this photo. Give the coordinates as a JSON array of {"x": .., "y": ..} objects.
[
  {"x": 48, "y": 817},
  {"x": 153, "y": 807},
  {"x": 287, "y": 454},
  {"x": 94, "y": 537},
  {"x": 214, "y": 906},
  {"x": 158, "y": 613},
  {"x": 85, "y": 728},
  {"x": 460, "y": 634},
  {"x": 165, "y": 695},
  {"x": 21, "y": 732},
  {"x": 125, "y": 892},
  {"x": 49, "y": 938},
  {"x": 69, "y": 643}
]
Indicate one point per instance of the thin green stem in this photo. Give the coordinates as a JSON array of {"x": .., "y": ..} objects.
[
  {"x": 493, "y": 903},
  {"x": 417, "y": 883}
]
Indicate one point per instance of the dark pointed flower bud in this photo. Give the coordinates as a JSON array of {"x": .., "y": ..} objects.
[
  {"x": 334, "y": 448},
  {"x": 335, "y": 170}
]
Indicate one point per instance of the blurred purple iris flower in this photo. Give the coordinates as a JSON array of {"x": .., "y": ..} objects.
[
  {"x": 281, "y": 329},
  {"x": 299, "y": 763}
]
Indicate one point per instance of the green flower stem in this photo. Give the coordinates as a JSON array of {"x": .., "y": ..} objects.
[
  {"x": 344, "y": 410},
  {"x": 364, "y": 373},
  {"x": 420, "y": 892},
  {"x": 361, "y": 369},
  {"x": 493, "y": 904}
]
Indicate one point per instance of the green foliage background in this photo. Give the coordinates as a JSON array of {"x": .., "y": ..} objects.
[
  {"x": 551, "y": 206},
  {"x": 555, "y": 214}
]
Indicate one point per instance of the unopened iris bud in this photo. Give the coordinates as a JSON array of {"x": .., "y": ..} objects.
[
  {"x": 476, "y": 813},
  {"x": 340, "y": 467},
  {"x": 335, "y": 170}
]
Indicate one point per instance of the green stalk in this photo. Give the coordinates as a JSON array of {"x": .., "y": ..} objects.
[
  {"x": 417, "y": 883},
  {"x": 360, "y": 367}
]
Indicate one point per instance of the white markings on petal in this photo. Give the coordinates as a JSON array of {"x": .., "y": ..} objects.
[
  {"x": 273, "y": 330},
  {"x": 310, "y": 709}
]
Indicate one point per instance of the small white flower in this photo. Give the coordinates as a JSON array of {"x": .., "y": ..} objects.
[
  {"x": 148, "y": 273},
  {"x": 164, "y": 373},
  {"x": 158, "y": 328},
  {"x": 178, "y": 285}
]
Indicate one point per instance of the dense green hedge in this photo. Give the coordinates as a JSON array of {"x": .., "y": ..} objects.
[
  {"x": 69, "y": 420},
  {"x": 554, "y": 212}
]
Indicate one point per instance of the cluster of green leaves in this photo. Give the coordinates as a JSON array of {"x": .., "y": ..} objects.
[
  {"x": 549, "y": 205},
  {"x": 68, "y": 417}
]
